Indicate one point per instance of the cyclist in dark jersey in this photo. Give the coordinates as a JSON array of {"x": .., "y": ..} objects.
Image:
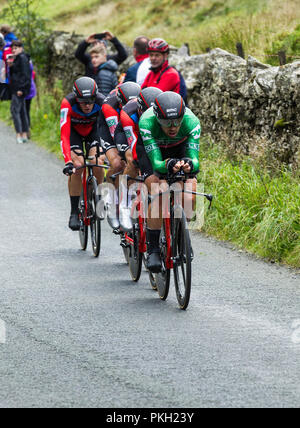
[
  {"x": 129, "y": 142},
  {"x": 171, "y": 136},
  {"x": 80, "y": 119},
  {"x": 111, "y": 109}
]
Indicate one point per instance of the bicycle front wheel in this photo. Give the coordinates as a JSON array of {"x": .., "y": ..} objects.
[
  {"x": 95, "y": 223},
  {"x": 162, "y": 279},
  {"x": 182, "y": 257},
  {"x": 135, "y": 258},
  {"x": 83, "y": 231}
]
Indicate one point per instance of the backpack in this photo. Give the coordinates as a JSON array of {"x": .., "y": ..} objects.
[{"x": 183, "y": 88}]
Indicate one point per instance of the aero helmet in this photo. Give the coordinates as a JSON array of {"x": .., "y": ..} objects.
[
  {"x": 85, "y": 90},
  {"x": 169, "y": 109},
  {"x": 147, "y": 97},
  {"x": 127, "y": 91}
]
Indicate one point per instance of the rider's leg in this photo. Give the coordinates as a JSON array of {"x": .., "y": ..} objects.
[
  {"x": 98, "y": 172},
  {"x": 75, "y": 186},
  {"x": 154, "y": 222},
  {"x": 189, "y": 201},
  {"x": 125, "y": 196},
  {"x": 116, "y": 165}
]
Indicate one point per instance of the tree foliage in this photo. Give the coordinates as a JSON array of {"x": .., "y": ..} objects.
[{"x": 29, "y": 27}]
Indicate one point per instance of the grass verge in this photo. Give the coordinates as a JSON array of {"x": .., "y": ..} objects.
[{"x": 254, "y": 209}]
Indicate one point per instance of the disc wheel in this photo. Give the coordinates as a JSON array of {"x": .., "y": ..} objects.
[
  {"x": 135, "y": 257},
  {"x": 182, "y": 254},
  {"x": 95, "y": 223},
  {"x": 162, "y": 279}
]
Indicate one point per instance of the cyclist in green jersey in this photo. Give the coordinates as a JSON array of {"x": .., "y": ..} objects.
[{"x": 171, "y": 137}]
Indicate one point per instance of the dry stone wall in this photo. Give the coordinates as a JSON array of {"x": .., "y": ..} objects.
[{"x": 250, "y": 106}]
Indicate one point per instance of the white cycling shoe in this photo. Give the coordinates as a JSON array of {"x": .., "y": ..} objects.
[{"x": 125, "y": 219}]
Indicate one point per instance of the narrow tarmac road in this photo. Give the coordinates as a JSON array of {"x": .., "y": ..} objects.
[{"x": 80, "y": 333}]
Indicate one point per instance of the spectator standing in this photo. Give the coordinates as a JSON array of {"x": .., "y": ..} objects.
[
  {"x": 8, "y": 34},
  {"x": 98, "y": 64},
  {"x": 20, "y": 83},
  {"x": 2, "y": 63},
  {"x": 138, "y": 72},
  {"x": 161, "y": 74}
]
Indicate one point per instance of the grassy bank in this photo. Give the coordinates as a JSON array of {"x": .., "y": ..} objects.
[
  {"x": 45, "y": 127},
  {"x": 253, "y": 208},
  {"x": 201, "y": 23}
]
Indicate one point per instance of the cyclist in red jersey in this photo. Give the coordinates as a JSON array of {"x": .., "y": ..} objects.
[
  {"x": 80, "y": 122},
  {"x": 130, "y": 145},
  {"x": 161, "y": 75},
  {"x": 111, "y": 109}
]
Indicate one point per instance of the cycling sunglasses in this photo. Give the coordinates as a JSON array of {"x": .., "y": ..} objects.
[
  {"x": 168, "y": 123},
  {"x": 86, "y": 100}
]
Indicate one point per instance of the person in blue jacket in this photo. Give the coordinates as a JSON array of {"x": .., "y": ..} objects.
[{"x": 9, "y": 36}]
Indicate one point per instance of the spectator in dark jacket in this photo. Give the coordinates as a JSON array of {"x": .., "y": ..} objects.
[
  {"x": 20, "y": 83},
  {"x": 104, "y": 71},
  {"x": 91, "y": 68}
]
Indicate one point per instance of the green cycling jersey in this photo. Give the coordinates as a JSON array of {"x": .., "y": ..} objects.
[{"x": 155, "y": 139}]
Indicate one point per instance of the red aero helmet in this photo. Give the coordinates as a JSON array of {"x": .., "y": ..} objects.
[{"x": 158, "y": 45}]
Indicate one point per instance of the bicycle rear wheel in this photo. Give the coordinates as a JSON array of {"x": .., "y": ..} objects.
[
  {"x": 162, "y": 279},
  {"x": 182, "y": 253},
  {"x": 83, "y": 231},
  {"x": 95, "y": 222},
  {"x": 135, "y": 258}
]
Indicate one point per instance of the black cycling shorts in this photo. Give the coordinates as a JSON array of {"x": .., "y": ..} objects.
[
  {"x": 145, "y": 163},
  {"x": 107, "y": 141},
  {"x": 77, "y": 141},
  {"x": 121, "y": 141}
]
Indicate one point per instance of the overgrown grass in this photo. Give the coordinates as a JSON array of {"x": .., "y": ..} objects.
[
  {"x": 254, "y": 209},
  {"x": 45, "y": 119},
  {"x": 201, "y": 23}
]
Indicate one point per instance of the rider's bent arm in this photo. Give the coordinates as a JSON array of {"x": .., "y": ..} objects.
[
  {"x": 193, "y": 143},
  {"x": 65, "y": 130},
  {"x": 153, "y": 152}
]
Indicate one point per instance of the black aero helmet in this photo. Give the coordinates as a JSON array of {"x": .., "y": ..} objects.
[
  {"x": 127, "y": 91},
  {"x": 169, "y": 109},
  {"x": 85, "y": 90},
  {"x": 147, "y": 97}
]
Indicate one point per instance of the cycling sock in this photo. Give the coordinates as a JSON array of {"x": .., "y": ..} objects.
[
  {"x": 74, "y": 204},
  {"x": 153, "y": 240}
]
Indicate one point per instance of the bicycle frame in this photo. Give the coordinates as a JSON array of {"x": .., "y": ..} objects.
[{"x": 86, "y": 177}]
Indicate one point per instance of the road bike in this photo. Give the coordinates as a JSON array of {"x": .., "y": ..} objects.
[
  {"x": 90, "y": 212},
  {"x": 175, "y": 243}
]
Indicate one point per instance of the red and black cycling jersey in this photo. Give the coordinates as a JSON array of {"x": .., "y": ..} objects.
[
  {"x": 129, "y": 120},
  {"x": 71, "y": 116},
  {"x": 111, "y": 111}
]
